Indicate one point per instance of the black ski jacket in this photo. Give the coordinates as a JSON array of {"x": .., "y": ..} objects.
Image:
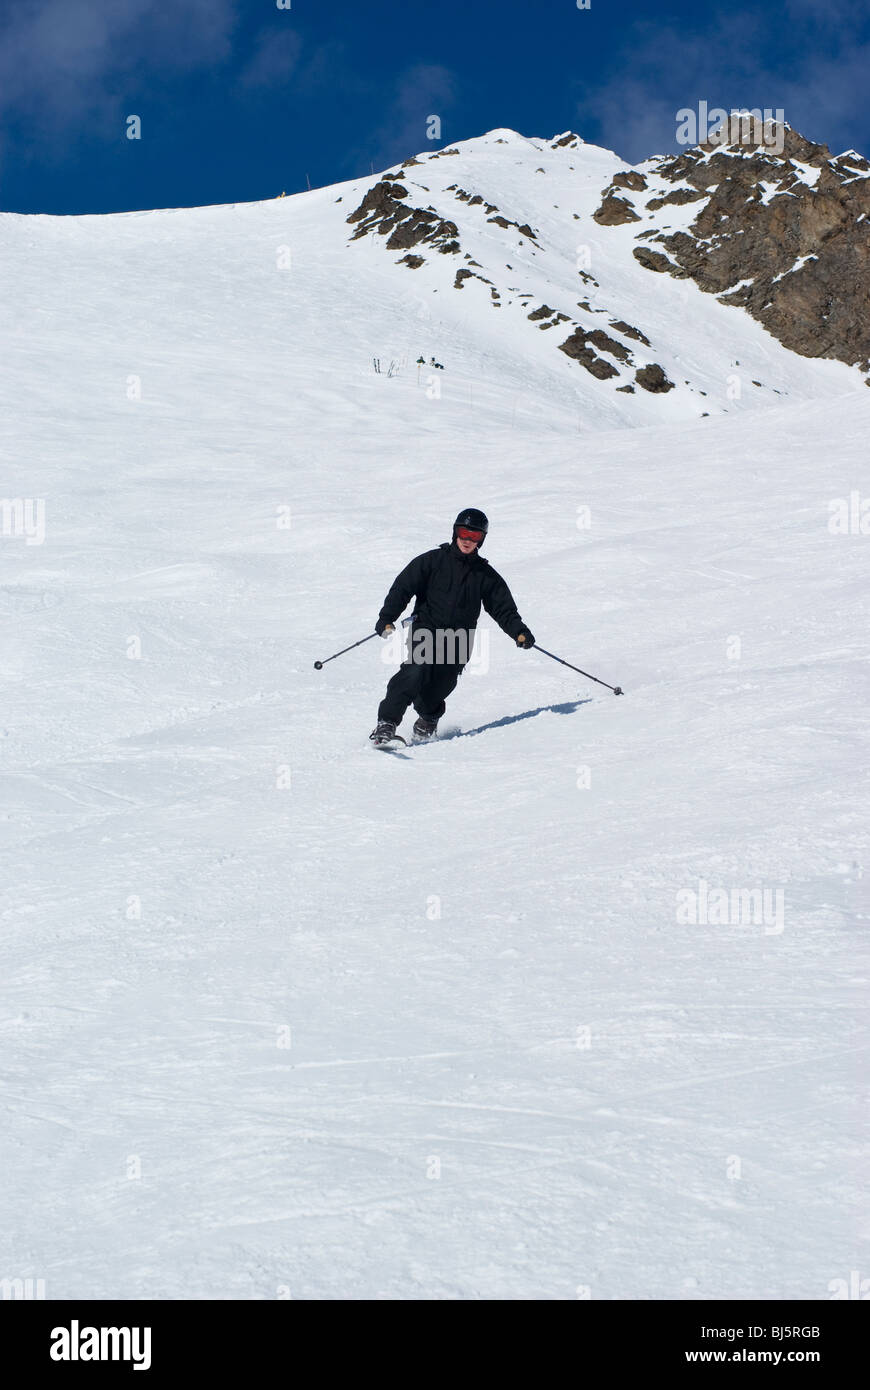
[{"x": 450, "y": 588}]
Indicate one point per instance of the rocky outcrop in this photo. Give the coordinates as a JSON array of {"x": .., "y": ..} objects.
[
  {"x": 578, "y": 348},
  {"x": 655, "y": 260},
  {"x": 614, "y": 211},
  {"x": 605, "y": 343},
  {"x": 472, "y": 199},
  {"x": 524, "y": 230},
  {"x": 384, "y": 210},
  {"x": 676, "y": 199},
  {"x": 784, "y": 235},
  {"x": 629, "y": 178},
  {"x": 653, "y": 378},
  {"x": 628, "y": 332}
]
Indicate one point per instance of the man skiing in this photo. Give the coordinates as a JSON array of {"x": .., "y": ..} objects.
[{"x": 450, "y": 584}]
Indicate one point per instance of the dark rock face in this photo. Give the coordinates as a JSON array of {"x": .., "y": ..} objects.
[
  {"x": 553, "y": 316},
  {"x": 653, "y": 378},
  {"x": 655, "y": 260},
  {"x": 630, "y": 178},
  {"x": 628, "y": 332},
  {"x": 463, "y": 275},
  {"x": 679, "y": 196},
  {"x": 524, "y": 230},
  {"x": 614, "y": 211},
  {"x": 472, "y": 200},
  {"x": 577, "y": 347},
  {"x": 382, "y": 210},
  {"x": 607, "y": 344},
  {"x": 785, "y": 236}
]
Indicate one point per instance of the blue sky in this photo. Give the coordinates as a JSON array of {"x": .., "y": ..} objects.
[{"x": 241, "y": 99}]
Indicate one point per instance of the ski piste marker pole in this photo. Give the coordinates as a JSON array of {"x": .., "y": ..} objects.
[
  {"x": 617, "y": 689},
  {"x": 319, "y": 665}
]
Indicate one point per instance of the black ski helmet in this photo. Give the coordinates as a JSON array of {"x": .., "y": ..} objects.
[{"x": 474, "y": 519}]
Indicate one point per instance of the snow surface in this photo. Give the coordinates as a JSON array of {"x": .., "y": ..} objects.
[
  {"x": 512, "y": 1072},
  {"x": 809, "y": 173}
]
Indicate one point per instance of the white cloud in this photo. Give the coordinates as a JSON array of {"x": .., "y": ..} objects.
[
  {"x": 821, "y": 93},
  {"x": 68, "y": 56},
  {"x": 275, "y": 58}
]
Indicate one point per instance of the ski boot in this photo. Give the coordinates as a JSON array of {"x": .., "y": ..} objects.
[
  {"x": 383, "y": 732},
  {"x": 424, "y": 729}
]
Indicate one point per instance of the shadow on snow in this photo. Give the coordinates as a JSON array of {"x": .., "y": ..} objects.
[{"x": 566, "y": 707}]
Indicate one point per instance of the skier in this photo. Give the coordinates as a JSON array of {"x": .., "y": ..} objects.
[{"x": 450, "y": 584}]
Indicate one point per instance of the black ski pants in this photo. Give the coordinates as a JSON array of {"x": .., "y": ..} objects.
[{"x": 424, "y": 685}]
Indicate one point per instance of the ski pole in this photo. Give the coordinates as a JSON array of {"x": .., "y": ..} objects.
[
  {"x": 617, "y": 689},
  {"x": 319, "y": 665}
]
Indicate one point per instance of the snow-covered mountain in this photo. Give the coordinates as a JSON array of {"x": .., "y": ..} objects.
[
  {"x": 565, "y": 1004},
  {"x": 773, "y": 233}
]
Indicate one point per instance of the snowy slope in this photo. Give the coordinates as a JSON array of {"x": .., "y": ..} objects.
[{"x": 282, "y": 1014}]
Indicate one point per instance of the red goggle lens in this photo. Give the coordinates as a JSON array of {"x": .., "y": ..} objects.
[{"x": 466, "y": 535}]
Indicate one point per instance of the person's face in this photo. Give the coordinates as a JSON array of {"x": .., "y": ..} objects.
[{"x": 466, "y": 546}]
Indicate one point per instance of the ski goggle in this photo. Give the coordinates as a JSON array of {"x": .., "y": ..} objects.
[{"x": 466, "y": 535}]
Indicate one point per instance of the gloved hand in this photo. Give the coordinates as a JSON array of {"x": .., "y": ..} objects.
[
  {"x": 383, "y": 628},
  {"x": 525, "y": 639}
]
